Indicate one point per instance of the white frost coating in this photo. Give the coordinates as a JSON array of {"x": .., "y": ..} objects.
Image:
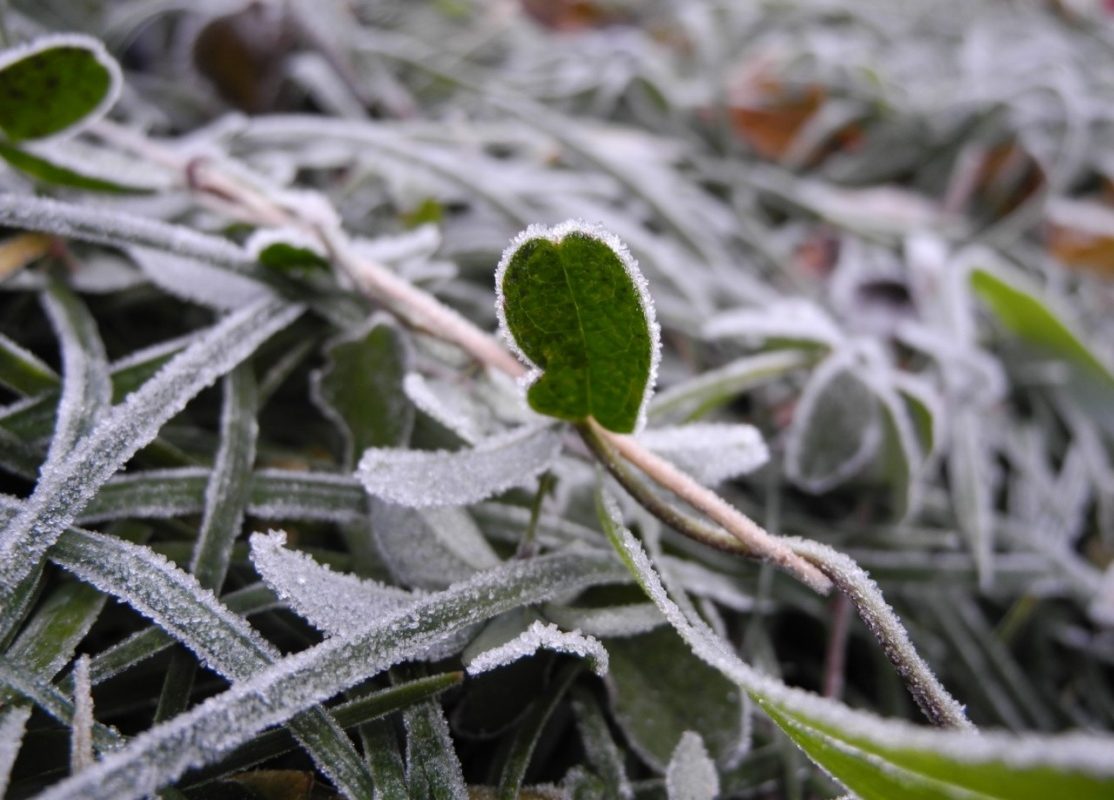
[
  {"x": 420, "y": 479},
  {"x": 86, "y": 386},
  {"x": 111, "y": 227},
  {"x": 1085, "y": 753},
  {"x": 201, "y": 735},
  {"x": 81, "y": 729},
  {"x": 222, "y": 641},
  {"x": 334, "y": 602},
  {"x": 448, "y": 405},
  {"x": 784, "y": 319},
  {"x": 198, "y": 281},
  {"x": 95, "y": 48},
  {"x": 12, "y": 722},
  {"x": 816, "y": 390},
  {"x": 556, "y": 234},
  {"x": 691, "y": 775},
  {"x": 429, "y": 548},
  {"x": 712, "y": 452},
  {"x": 609, "y": 622},
  {"x": 541, "y": 635},
  {"x": 64, "y": 490}
]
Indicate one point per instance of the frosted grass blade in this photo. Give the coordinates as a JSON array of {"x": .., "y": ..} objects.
[
  {"x": 202, "y": 734},
  {"x": 432, "y": 768},
  {"x": 63, "y": 492},
  {"x": 86, "y": 386},
  {"x": 541, "y": 636},
  {"x": 223, "y": 641},
  {"x": 110, "y": 227},
  {"x": 275, "y": 494}
]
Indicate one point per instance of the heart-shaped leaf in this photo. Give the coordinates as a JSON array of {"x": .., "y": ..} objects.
[
  {"x": 576, "y": 308},
  {"x": 54, "y": 84}
]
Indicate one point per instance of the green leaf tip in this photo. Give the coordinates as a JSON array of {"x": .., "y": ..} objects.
[
  {"x": 575, "y": 308},
  {"x": 54, "y": 85}
]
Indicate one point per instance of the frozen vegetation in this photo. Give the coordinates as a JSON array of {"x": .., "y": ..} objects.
[{"x": 593, "y": 400}]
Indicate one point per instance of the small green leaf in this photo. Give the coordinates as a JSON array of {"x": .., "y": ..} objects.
[
  {"x": 54, "y": 84},
  {"x": 360, "y": 389},
  {"x": 1047, "y": 336},
  {"x": 572, "y": 301},
  {"x": 291, "y": 257}
]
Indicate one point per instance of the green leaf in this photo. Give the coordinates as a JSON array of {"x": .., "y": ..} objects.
[
  {"x": 56, "y": 173},
  {"x": 360, "y": 389},
  {"x": 659, "y": 690},
  {"x": 22, "y": 371},
  {"x": 1047, "y": 335},
  {"x": 286, "y": 251},
  {"x": 576, "y": 307},
  {"x": 55, "y": 84}
]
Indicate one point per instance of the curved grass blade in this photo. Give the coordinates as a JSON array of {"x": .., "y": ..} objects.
[
  {"x": 222, "y": 640},
  {"x": 63, "y": 492}
]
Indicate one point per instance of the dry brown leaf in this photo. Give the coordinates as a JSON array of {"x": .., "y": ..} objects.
[{"x": 16, "y": 252}]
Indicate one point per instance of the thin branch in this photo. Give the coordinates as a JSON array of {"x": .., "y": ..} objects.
[{"x": 757, "y": 541}]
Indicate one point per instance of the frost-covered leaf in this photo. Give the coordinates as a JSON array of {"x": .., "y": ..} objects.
[
  {"x": 691, "y": 775},
  {"x": 836, "y": 427},
  {"x": 360, "y": 388},
  {"x": 55, "y": 84},
  {"x": 783, "y": 322},
  {"x": 881, "y": 759},
  {"x": 575, "y": 306},
  {"x": 197, "y": 281},
  {"x": 63, "y": 492},
  {"x": 429, "y": 548},
  {"x": 334, "y": 602},
  {"x": 449, "y": 405},
  {"x": 538, "y": 636},
  {"x": 159, "y": 755},
  {"x": 712, "y": 452},
  {"x": 715, "y": 387},
  {"x": 420, "y": 479},
  {"x": 659, "y": 690}
]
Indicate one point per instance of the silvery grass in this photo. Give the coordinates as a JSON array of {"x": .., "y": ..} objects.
[{"x": 435, "y": 524}]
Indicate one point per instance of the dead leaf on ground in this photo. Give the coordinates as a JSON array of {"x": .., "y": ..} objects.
[{"x": 16, "y": 252}]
